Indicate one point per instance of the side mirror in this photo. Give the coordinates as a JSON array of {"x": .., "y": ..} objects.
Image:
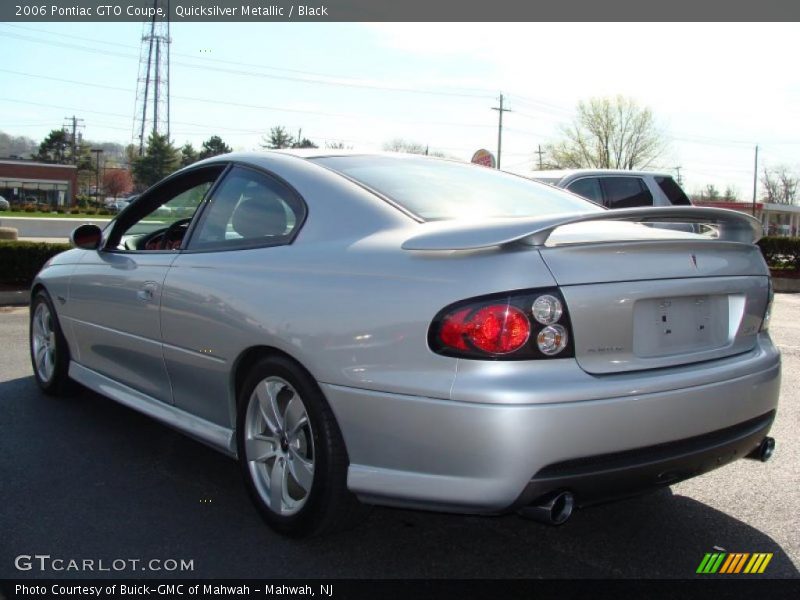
[{"x": 86, "y": 237}]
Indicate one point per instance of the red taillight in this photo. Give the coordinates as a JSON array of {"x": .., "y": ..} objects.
[
  {"x": 452, "y": 333},
  {"x": 520, "y": 325},
  {"x": 497, "y": 328}
]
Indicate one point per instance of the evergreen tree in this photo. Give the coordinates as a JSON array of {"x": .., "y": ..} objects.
[
  {"x": 159, "y": 160},
  {"x": 188, "y": 155},
  {"x": 213, "y": 146},
  {"x": 278, "y": 138},
  {"x": 54, "y": 148}
]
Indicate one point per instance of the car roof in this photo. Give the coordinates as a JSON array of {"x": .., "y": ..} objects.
[
  {"x": 564, "y": 173},
  {"x": 307, "y": 153},
  {"x": 327, "y": 152},
  {"x": 257, "y": 157}
]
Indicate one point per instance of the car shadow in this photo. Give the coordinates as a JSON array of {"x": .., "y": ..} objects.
[{"x": 84, "y": 477}]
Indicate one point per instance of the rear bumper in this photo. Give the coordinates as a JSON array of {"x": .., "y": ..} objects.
[
  {"x": 489, "y": 456},
  {"x": 605, "y": 477}
]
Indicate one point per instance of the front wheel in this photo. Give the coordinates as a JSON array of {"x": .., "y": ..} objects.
[
  {"x": 292, "y": 453},
  {"x": 49, "y": 351}
]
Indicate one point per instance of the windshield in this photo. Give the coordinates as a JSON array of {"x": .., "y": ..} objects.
[{"x": 442, "y": 189}]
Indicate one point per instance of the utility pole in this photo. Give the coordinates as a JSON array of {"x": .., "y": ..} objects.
[
  {"x": 97, "y": 152},
  {"x": 540, "y": 152},
  {"x": 678, "y": 177},
  {"x": 73, "y": 123},
  {"x": 755, "y": 180},
  {"x": 500, "y": 111}
]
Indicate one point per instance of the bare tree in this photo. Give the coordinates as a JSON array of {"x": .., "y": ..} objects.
[
  {"x": 608, "y": 133},
  {"x": 731, "y": 194},
  {"x": 117, "y": 182},
  {"x": 711, "y": 192},
  {"x": 401, "y": 145},
  {"x": 780, "y": 185}
]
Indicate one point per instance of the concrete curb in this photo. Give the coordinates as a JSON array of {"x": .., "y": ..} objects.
[
  {"x": 48, "y": 227},
  {"x": 15, "y": 297},
  {"x": 786, "y": 285}
]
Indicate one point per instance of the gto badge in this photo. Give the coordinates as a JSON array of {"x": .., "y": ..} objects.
[
  {"x": 693, "y": 258},
  {"x": 603, "y": 349}
]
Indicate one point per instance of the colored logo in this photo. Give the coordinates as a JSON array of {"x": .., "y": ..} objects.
[
  {"x": 734, "y": 562},
  {"x": 484, "y": 158}
]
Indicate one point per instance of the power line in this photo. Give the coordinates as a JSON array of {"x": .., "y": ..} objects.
[
  {"x": 480, "y": 93},
  {"x": 244, "y": 105},
  {"x": 250, "y": 73},
  {"x": 540, "y": 105},
  {"x": 207, "y": 128}
]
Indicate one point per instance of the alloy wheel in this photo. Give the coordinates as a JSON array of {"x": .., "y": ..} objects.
[
  {"x": 44, "y": 342},
  {"x": 279, "y": 446}
]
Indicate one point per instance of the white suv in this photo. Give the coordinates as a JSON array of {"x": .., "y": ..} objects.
[{"x": 616, "y": 188}]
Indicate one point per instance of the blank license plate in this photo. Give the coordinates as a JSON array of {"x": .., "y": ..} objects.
[{"x": 680, "y": 325}]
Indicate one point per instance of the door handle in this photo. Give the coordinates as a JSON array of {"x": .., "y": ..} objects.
[{"x": 148, "y": 291}]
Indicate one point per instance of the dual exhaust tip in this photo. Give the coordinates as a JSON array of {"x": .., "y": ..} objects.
[
  {"x": 553, "y": 511},
  {"x": 557, "y": 509}
]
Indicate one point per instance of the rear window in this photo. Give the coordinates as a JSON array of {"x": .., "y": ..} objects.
[
  {"x": 673, "y": 191},
  {"x": 440, "y": 189}
]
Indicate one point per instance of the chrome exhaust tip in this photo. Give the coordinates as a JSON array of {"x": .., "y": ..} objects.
[
  {"x": 764, "y": 451},
  {"x": 555, "y": 511}
]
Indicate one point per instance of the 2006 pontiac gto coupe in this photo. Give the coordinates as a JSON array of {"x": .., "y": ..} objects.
[{"x": 398, "y": 330}]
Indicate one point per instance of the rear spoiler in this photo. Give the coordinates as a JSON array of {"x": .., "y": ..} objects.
[{"x": 734, "y": 226}]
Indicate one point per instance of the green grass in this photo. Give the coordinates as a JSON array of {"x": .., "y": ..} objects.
[{"x": 50, "y": 215}]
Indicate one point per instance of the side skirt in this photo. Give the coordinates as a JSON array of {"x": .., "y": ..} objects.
[{"x": 218, "y": 437}]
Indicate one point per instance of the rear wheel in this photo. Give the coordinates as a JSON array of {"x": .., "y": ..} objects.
[
  {"x": 291, "y": 451},
  {"x": 49, "y": 351}
]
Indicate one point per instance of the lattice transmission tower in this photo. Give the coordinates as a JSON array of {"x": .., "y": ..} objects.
[{"x": 151, "y": 114}]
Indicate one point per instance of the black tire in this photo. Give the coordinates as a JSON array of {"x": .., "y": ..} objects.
[
  {"x": 328, "y": 506},
  {"x": 58, "y": 383}
]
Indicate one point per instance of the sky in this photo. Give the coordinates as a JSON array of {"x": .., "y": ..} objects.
[{"x": 716, "y": 90}]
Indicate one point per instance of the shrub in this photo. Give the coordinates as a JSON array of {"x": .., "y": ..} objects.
[
  {"x": 29, "y": 208},
  {"x": 75, "y": 211},
  {"x": 103, "y": 211},
  {"x": 20, "y": 261},
  {"x": 781, "y": 252}
]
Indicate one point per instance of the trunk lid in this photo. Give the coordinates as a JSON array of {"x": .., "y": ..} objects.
[
  {"x": 656, "y": 298},
  {"x": 645, "y": 288}
]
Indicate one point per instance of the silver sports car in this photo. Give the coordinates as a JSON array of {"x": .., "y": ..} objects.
[{"x": 385, "y": 329}]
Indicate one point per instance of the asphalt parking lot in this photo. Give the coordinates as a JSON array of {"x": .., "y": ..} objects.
[{"x": 85, "y": 478}]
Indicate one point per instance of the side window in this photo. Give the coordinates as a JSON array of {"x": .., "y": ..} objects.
[
  {"x": 159, "y": 219},
  {"x": 248, "y": 209},
  {"x": 626, "y": 192},
  {"x": 589, "y": 188}
]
